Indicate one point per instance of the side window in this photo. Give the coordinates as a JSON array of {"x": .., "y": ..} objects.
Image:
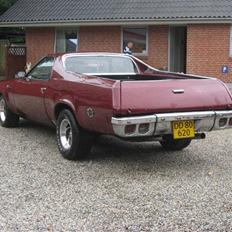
[{"x": 43, "y": 70}]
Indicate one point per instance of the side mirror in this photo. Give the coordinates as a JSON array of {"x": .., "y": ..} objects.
[{"x": 20, "y": 75}]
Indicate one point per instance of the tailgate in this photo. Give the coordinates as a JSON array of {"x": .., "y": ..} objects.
[{"x": 159, "y": 96}]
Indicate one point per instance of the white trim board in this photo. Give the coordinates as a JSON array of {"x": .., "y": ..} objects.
[{"x": 116, "y": 22}]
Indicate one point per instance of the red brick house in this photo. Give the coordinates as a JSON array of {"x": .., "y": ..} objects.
[{"x": 178, "y": 35}]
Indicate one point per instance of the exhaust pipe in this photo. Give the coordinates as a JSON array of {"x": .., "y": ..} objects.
[{"x": 200, "y": 136}]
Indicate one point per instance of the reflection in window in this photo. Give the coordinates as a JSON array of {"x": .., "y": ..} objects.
[
  {"x": 139, "y": 38},
  {"x": 43, "y": 70},
  {"x": 100, "y": 65},
  {"x": 66, "y": 40}
]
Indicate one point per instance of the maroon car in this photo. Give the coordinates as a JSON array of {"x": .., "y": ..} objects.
[{"x": 86, "y": 94}]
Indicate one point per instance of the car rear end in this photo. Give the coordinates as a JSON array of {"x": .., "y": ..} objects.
[{"x": 183, "y": 108}]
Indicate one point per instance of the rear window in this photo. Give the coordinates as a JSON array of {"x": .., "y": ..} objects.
[{"x": 100, "y": 65}]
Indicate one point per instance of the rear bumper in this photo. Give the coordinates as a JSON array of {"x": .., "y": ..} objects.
[{"x": 160, "y": 124}]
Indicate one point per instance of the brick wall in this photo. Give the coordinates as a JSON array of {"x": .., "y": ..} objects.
[
  {"x": 207, "y": 46},
  {"x": 208, "y": 50},
  {"x": 39, "y": 42},
  {"x": 108, "y": 39},
  {"x": 100, "y": 39},
  {"x": 157, "y": 47}
]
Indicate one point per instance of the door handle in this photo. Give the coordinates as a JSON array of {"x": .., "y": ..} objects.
[{"x": 43, "y": 90}]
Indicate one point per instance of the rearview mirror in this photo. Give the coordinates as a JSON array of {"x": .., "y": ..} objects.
[{"x": 20, "y": 75}]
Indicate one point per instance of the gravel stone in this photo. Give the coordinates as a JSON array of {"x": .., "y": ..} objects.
[{"x": 122, "y": 186}]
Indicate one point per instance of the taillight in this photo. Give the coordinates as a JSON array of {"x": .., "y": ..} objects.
[
  {"x": 230, "y": 122},
  {"x": 144, "y": 128},
  {"x": 223, "y": 122},
  {"x": 130, "y": 129}
]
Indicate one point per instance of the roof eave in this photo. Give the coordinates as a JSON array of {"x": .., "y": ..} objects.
[{"x": 104, "y": 22}]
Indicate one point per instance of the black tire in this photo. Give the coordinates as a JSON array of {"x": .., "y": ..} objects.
[
  {"x": 171, "y": 144},
  {"x": 7, "y": 117},
  {"x": 81, "y": 143}
]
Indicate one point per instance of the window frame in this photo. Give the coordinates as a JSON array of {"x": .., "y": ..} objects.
[
  {"x": 147, "y": 39},
  {"x": 28, "y": 75},
  {"x": 66, "y": 29},
  {"x": 230, "y": 42}
]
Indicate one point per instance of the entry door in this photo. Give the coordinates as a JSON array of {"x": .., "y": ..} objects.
[
  {"x": 29, "y": 93},
  {"x": 177, "y": 49}
]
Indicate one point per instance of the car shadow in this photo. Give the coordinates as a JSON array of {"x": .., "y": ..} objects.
[
  {"x": 106, "y": 146},
  {"x": 37, "y": 127},
  {"x": 149, "y": 155}
]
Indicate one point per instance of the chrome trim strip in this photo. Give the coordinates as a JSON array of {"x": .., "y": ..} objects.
[
  {"x": 178, "y": 91},
  {"x": 185, "y": 116},
  {"x": 133, "y": 120},
  {"x": 109, "y": 74},
  {"x": 160, "y": 124},
  {"x": 224, "y": 113}
]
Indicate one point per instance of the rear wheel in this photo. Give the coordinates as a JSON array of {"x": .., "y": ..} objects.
[
  {"x": 171, "y": 144},
  {"x": 7, "y": 117},
  {"x": 73, "y": 142}
]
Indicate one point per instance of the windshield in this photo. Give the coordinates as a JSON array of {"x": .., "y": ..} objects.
[{"x": 100, "y": 65}]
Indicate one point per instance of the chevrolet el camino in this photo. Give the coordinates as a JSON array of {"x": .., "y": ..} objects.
[{"x": 89, "y": 94}]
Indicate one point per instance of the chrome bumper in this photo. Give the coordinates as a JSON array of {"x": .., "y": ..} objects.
[{"x": 160, "y": 124}]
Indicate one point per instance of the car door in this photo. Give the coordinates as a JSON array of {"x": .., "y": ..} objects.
[{"x": 29, "y": 92}]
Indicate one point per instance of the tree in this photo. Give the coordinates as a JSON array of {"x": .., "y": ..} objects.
[
  {"x": 5, "y": 5},
  {"x": 11, "y": 34}
]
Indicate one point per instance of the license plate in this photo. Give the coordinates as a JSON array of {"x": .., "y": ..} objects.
[{"x": 183, "y": 129}]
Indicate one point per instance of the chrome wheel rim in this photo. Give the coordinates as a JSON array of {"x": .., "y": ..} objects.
[
  {"x": 2, "y": 110},
  {"x": 66, "y": 137}
]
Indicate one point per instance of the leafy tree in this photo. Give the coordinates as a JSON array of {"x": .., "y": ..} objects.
[
  {"x": 5, "y": 5},
  {"x": 11, "y": 34}
]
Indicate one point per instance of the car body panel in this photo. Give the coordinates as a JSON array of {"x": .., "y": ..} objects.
[
  {"x": 29, "y": 100},
  {"x": 94, "y": 100},
  {"x": 160, "y": 96}
]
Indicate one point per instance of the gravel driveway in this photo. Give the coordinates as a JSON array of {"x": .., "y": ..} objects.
[{"x": 122, "y": 187}]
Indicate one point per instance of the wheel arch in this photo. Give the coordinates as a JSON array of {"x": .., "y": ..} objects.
[{"x": 62, "y": 106}]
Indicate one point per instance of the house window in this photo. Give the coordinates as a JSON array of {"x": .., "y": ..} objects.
[
  {"x": 137, "y": 35},
  {"x": 66, "y": 40}
]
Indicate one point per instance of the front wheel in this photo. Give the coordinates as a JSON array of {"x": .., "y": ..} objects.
[
  {"x": 73, "y": 142},
  {"x": 171, "y": 144},
  {"x": 7, "y": 117}
]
